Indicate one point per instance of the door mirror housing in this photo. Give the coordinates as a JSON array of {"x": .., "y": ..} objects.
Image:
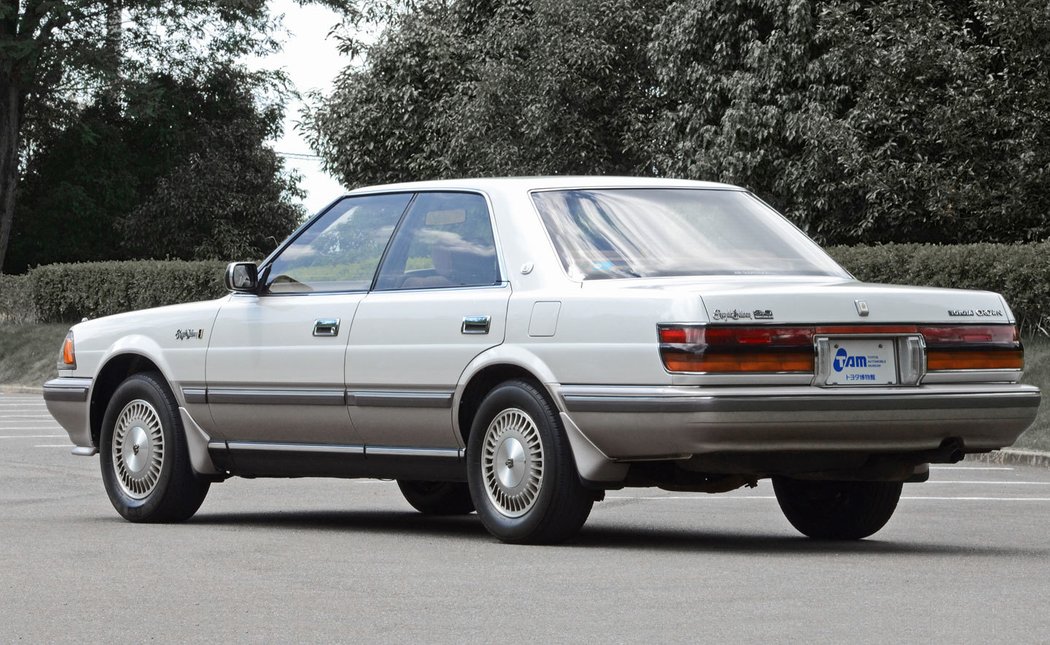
[{"x": 242, "y": 277}]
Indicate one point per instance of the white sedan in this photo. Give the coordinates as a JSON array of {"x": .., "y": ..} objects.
[{"x": 520, "y": 346}]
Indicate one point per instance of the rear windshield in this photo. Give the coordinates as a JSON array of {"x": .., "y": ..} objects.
[{"x": 623, "y": 233}]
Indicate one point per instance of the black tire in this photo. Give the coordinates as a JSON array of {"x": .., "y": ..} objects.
[
  {"x": 148, "y": 477},
  {"x": 837, "y": 510},
  {"x": 521, "y": 471},
  {"x": 437, "y": 498}
]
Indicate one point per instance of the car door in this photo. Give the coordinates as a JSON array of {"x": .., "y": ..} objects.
[
  {"x": 439, "y": 301},
  {"x": 275, "y": 364}
]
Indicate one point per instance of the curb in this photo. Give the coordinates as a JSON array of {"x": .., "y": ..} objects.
[
  {"x": 20, "y": 389},
  {"x": 1013, "y": 457}
]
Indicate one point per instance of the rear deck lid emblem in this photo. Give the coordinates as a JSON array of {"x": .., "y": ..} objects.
[{"x": 862, "y": 308}]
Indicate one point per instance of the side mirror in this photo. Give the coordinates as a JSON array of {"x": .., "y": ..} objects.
[{"x": 242, "y": 277}]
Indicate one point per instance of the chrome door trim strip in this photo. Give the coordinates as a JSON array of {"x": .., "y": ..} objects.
[
  {"x": 404, "y": 399},
  {"x": 263, "y": 446},
  {"x": 283, "y": 396},
  {"x": 397, "y": 451},
  {"x": 195, "y": 394}
]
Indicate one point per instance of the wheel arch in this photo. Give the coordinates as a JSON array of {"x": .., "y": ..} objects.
[
  {"x": 480, "y": 384},
  {"x": 500, "y": 364},
  {"x": 116, "y": 369}
]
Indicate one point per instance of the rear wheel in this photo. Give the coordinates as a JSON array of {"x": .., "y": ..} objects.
[
  {"x": 837, "y": 510},
  {"x": 145, "y": 461},
  {"x": 521, "y": 471},
  {"x": 437, "y": 498}
]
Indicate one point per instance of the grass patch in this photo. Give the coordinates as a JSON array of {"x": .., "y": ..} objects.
[
  {"x": 1037, "y": 373},
  {"x": 29, "y": 353}
]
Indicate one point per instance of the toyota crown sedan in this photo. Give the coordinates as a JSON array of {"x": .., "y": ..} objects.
[{"x": 517, "y": 347}]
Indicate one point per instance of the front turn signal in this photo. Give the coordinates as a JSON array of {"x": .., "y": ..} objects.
[{"x": 69, "y": 357}]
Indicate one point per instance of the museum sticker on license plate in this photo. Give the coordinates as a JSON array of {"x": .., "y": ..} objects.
[{"x": 868, "y": 361}]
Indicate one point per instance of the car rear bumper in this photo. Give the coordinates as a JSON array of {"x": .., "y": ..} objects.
[
  {"x": 674, "y": 422},
  {"x": 67, "y": 400}
]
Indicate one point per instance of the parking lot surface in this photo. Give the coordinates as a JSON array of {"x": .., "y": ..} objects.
[{"x": 966, "y": 558}]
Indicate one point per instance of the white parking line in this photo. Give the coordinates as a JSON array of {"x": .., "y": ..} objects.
[
  {"x": 29, "y": 436},
  {"x": 970, "y": 468},
  {"x": 988, "y": 483},
  {"x": 981, "y": 499},
  {"x": 701, "y": 497}
]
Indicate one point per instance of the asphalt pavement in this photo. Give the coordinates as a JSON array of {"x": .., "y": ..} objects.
[{"x": 966, "y": 559}]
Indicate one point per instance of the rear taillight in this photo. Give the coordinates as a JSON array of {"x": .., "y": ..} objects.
[
  {"x": 790, "y": 349},
  {"x": 972, "y": 347},
  {"x": 727, "y": 350}
]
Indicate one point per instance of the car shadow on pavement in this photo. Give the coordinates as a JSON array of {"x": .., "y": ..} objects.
[
  {"x": 750, "y": 543},
  {"x": 400, "y": 524},
  {"x": 397, "y": 522}
]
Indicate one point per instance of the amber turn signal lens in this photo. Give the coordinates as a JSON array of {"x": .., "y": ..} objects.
[
  {"x": 69, "y": 358},
  {"x": 970, "y": 359}
]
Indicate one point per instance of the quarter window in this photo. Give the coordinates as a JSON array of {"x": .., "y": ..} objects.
[
  {"x": 341, "y": 250},
  {"x": 445, "y": 241}
]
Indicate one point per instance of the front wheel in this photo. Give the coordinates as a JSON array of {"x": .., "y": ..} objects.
[
  {"x": 837, "y": 510},
  {"x": 521, "y": 471},
  {"x": 145, "y": 461}
]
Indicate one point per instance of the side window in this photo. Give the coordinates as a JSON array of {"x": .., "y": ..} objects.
[
  {"x": 445, "y": 241},
  {"x": 340, "y": 251}
]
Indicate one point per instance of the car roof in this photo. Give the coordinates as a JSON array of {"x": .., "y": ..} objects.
[{"x": 497, "y": 184}]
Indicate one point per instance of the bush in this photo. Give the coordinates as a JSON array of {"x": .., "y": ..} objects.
[
  {"x": 70, "y": 292},
  {"x": 1020, "y": 272}
]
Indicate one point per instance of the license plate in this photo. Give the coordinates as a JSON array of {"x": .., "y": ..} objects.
[{"x": 867, "y": 361}]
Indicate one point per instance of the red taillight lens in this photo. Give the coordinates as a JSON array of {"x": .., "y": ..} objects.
[
  {"x": 972, "y": 347},
  {"x": 727, "y": 350}
]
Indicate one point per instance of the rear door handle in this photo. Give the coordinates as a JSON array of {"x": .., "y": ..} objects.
[
  {"x": 326, "y": 327},
  {"x": 476, "y": 325}
]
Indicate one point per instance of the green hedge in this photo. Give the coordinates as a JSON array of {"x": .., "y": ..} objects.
[
  {"x": 1021, "y": 272},
  {"x": 70, "y": 292}
]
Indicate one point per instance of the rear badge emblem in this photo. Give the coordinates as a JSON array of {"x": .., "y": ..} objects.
[{"x": 862, "y": 308}]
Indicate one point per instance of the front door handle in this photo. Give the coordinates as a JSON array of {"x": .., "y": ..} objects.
[
  {"x": 475, "y": 325},
  {"x": 326, "y": 327}
]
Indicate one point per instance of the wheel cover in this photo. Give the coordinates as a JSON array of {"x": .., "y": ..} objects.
[
  {"x": 138, "y": 449},
  {"x": 512, "y": 462}
]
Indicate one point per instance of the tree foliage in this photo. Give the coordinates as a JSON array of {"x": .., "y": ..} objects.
[
  {"x": 488, "y": 88},
  {"x": 897, "y": 120},
  {"x": 181, "y": 171},
  {"x": 79, "y": 77}
]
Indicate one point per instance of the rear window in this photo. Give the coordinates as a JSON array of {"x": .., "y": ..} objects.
[{"x": 621, "y": 233}]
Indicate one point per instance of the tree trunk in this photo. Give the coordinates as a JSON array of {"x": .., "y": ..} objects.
[
  {"x": 10, "y": 125},
  {"x": 114, "y": 46}
]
